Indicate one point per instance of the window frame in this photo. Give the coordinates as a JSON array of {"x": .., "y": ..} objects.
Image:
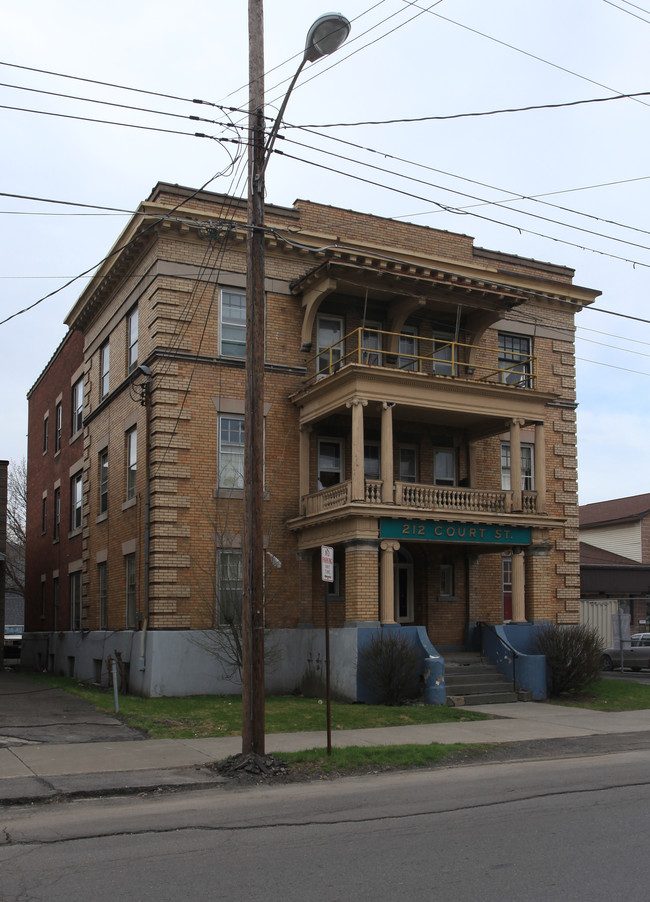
[
  {"x": 59, "y": 427},
  {"x": 131, "y": 590},
  {"x": 131, "y": 462},
  {"x": 46, "y": 433},
  {"x": 527, "y": 466},
  {"x": 335, "y": 442},
  {"x": 76, "y": 501},
  {"x": 375, "y": 446},
  {"x": 235, "y": 346},
  {"x": 104, "y": 369},
  {"x": 77, "y": 407},
  {"x": 132, "y": 335},
  {"x": 514, "y": 364},
  {"x": 444, "y": 481},
  {"x": 228, "y": 452},
  {"x": 328, "y": 363},
  {"x": 409, "y": 363},
  {"x": 56, "y": 534},
  {"x": 44, "y": 515},
  {"x": 234, "y": 589},
  {"x": 400, "y": 459},
  {"x": 103, "y": 481},
  {"x": 75, "y": 600}
]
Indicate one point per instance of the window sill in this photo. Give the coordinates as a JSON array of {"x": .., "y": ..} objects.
[
  {"x": 447, "y": 597},
  {"x": 233, "y": 493},
  {"x": 75, "y": 532},
  {"x": 101, "y": 517},
  {"x": 130, "y": 503},
  {"x": 76, "y": 435},
  {"x": 56, "y": 541}
]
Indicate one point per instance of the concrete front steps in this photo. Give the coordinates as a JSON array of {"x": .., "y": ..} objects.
[{"x": 472, "y": 680}]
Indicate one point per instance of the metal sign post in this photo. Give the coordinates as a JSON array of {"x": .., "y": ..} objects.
[{"x": 327, "y": 574}]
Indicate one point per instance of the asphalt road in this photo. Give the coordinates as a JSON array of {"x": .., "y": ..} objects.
[{"x": 538, "y": 830}]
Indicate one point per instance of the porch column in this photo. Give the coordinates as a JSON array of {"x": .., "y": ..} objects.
[
  {"x": 305, "y": 433},
  {"x": 387, "y": 581},
  {"x": 387, "y": 485},
  {"x": 515, "y": 464},
  {"x": 518, "y": 591},
  {"x": 540, "y": 468},
  {"x": 357, "y": 481}
]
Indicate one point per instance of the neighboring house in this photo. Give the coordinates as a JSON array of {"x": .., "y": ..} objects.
[
  {"x": 419, "y": 418},
  {"x": 4, "y": 472},
  {"x": 615, "y": 555},
  {"x": 55, "y": 461}
]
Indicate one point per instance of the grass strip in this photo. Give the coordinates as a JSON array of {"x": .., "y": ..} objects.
[
  {"x": 369, "y": 759},
  {"x": 610, "y": 695},
  {"x": 210, "y": 715}
]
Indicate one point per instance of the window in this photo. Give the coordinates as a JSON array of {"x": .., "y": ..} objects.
[
  {"x": 443, "y": 352},
  {"x": 43, "y": 597},
  {"x": 330, "y": 463},
  {"x": 44, "y": 515},
  {"x": 102, "y": 592},
  {"x": 131, "y": 462},
  {"x": 233, "y": 323},
  {"x": 408, "y": 463},
  {"x": 46, "y": 429},
  {"x": 514, "y": 359},
  {"x": 59, "y": 426},
  {"x": 446, "y": 580},
  {"x": 77, "y": 406},
  {"x": 408, "y": 349},
  {"x": 329, "y": 335},
  {"x": 55, "y": 602},
  {"x": 371, "y": 460},
  {"x": 444, "y": 466},
  {"x": 104, "y": 369},
  {"x": 229, "y": 587},
  {"x": 103, "y": 481},
  {"x": 527, "y": 467},
  {"x": 129, "y": 561},
  {"x": 76, "y": 505},
  {"x": 371, "y": 344},
  {"x": 57, "y": 513},
  {"x": 132, "y": 339},
  {"x": 506, "y": 574},
  {"x": 75, "y": 600},
  {"x": 231, "y": 452}
]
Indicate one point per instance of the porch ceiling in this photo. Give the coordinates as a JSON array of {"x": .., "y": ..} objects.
[{"x": 481, "y": 408}]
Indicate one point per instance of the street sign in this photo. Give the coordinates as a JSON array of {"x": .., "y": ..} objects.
[{"x": 327, "y": 563}]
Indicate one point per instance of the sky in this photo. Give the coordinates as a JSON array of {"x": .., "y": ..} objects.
[{"x": 568, "y": 184}]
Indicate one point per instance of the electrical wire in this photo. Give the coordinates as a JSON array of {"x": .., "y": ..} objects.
[
  {"x": 629, "y": 11},
  {"x": 473, "y": 115}
]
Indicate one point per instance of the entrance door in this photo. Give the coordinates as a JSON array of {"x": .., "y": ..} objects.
[
  {"x": 403, "y": 592},
  {"x": 506, "y": 566}
]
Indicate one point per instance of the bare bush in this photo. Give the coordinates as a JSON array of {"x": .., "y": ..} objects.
[
  {"x": 572, "y": 656},
  {"x": 390, "y": 667}
]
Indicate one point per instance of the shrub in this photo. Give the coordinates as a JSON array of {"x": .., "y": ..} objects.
[
  {"x": 390, "y": 667},
  {"x": 572, "y": 656}
]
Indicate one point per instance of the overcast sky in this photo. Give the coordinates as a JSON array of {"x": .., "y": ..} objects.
[{"x": 586, "y": 165}]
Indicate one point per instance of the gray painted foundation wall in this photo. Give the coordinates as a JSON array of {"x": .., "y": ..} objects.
[{"x": 179, "y": 663}]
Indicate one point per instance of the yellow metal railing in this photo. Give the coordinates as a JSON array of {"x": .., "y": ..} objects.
[{"x": 376, "y": 347}]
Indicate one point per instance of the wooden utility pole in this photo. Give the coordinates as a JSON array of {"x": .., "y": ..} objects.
[{"x": 253, "y": 527}]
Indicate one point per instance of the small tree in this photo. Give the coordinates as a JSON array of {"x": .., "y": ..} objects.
[
  {"x": 572, "y": 656},
  {"x": 390, "y": 667},
  {"x": 16, "y": 525}
]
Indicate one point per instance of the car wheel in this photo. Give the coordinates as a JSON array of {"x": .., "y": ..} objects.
[{"x": 606, "y": 663}]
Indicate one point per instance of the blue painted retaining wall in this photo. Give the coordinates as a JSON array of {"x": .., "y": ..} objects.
[
  {"x": 433, "y": 667},
  {"x": 529, "y": 669}
]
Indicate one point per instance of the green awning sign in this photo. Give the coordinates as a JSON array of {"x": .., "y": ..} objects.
[{"x": 437, "y": 531}]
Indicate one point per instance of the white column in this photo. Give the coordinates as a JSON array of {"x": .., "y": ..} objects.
[
  {"x": 540, "y": 468},
  {"x": 515, "y": 464},
  {"x": 358, "y": 479},
  {"x": 387, "y": 581},
  {"x": 387, "y": 486},
  {"x": 518, "y": 591}
]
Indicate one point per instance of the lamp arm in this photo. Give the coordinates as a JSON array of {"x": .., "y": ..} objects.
[{"x": 276, "y": 125}]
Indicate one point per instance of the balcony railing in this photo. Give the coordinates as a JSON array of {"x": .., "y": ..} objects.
[
  {"x": 413, "y": 496},
  {"x": 414, "y": 353}
]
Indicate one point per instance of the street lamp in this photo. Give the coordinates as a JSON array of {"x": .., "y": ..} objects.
[{"x": 324, "y": 37}]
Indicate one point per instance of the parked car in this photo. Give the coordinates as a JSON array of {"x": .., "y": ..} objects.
[{"x": 636, "y": 657}]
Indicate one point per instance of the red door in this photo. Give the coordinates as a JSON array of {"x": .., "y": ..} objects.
[{"x": 507, "y": 588}]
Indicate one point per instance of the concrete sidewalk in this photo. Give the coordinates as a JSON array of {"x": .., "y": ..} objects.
[{"x": 34, "y": 771}]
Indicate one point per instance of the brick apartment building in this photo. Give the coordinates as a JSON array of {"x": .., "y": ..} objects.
[{"x": 419, "y": 417}]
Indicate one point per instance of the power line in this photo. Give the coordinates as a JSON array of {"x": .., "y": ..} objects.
[
  {"x": 612, "y": 366},
  {"x": 521, "y": 109},
  {"x": 629, "y": 11}
]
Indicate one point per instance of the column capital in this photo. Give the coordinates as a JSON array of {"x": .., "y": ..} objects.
[
  {"x": 356, "y": 402},
  {"x": 388, "y": 405},
  {"x": 389, "y": 545}
]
